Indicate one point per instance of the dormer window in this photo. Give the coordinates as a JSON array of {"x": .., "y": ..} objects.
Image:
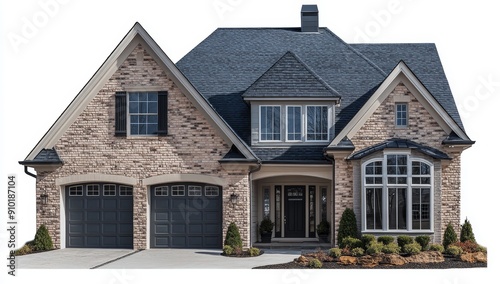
[{"x": 292, "y": 123}]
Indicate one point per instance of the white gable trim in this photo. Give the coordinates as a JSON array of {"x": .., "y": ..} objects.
[
  {"x": 400, "y": 74},
  {"x": 135, "y": 36}
]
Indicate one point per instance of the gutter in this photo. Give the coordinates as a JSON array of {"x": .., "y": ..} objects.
[{"x": 28, "y": 173}]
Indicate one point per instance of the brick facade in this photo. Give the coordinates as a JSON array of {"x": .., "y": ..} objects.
[
  {"x": 423, "y": 129},
  {"x": 192, "y": 146}
]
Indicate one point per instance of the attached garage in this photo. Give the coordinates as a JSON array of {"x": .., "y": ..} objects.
[
  {"x": 99, "y": 216},
  {"x": 187, "y": 215}
]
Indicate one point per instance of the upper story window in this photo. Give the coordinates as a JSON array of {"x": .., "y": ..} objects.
[
  {"x": 401, "y": 115},
  {"x": 270, "y": 123},
  {"x": 295, "y": 123},
  {"x": 141, "y": 113}
]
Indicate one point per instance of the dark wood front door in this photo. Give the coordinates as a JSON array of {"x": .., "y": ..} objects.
[{"x": 295, "y": 217}]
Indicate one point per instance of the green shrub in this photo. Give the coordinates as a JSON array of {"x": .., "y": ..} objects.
[
  {"x": 482, "y": 249},
  {"x": 26, "y": 249},
  {"x": 423, "y": 241},
  {"x": 351, "y": 243},
  {"x": 233, "y": 237},
  {"x": 315, "y": 263},
  {"x": 466, "y": 233},
  {"x": 374, "y": 248},
  {"x": 454, "y": 250},
  {"x": 385, "y": 239},
  {"x": 412, "y": 248},
  {"x": 335, "y": 252},
  {"x": 42, "y": 241},
  {"x": 367, "y": 239},
  {"x": 323, "y": 228},
  {"x": 266, "y": 225},
  {"x": 437, "y": 247},
  {"x": 404, "y": 240},
  {"x": 227, "y": 250},
  {"x": 391, "y": 248},
  {"x": 347, "y": 225},
  {"x": 468, "y": 246},
  {"x": 357, "y": 251},
  {"x": 450, "y": 236},
  {"x": 254, "y": 251}
]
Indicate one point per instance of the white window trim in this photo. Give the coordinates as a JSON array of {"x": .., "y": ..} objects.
[
  {"x": 260, "y": 124},
  {"x": 128, "y": 115},
  {"x": 396, "y": 115},
  {"x": 329, "y": 124},
  {"x": 385, "y": 205},
  {"x": 301, "y": 123}
]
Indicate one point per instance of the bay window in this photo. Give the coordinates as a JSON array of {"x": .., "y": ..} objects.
[{"x": 397, "y": 194}]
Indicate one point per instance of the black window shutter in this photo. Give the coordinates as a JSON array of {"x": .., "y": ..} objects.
[
  {"x": 120, "y": 114},
  {"x": 162, "y": 113}
]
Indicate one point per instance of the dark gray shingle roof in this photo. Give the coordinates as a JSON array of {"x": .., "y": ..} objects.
[
  {"x": 399, "y": 144},
  {"x": 298, "y": 154},
  {"x": 46, "y": 156}
]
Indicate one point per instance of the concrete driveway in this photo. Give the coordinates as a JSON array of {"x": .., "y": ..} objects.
[{"x": 146, "y": 259}]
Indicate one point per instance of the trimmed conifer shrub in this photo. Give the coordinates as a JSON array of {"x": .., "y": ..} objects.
[
  {"x": 233, "y": 237},
  {"x": 347, "y": 225},
  {"x": 450, "y": 236},
  {"x": 404, "y": 240},
  {"x": 466, "y": 233},
  {"x": 423, "y": 241},
  {"x": 42, "y": 241},
  {"x": 386, "y": 239}
]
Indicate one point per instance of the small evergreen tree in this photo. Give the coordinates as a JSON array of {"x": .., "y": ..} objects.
[
  {"x": 42, "y": 241},
  {"x": 466, "y": 233},
  {"x": 347, "y": 225},
  {"x": 233, "y": 237},
  {"x": 450, "y": 236}
]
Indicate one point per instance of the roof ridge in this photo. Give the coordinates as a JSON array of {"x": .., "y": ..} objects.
[{"x": 358, "y": 53}]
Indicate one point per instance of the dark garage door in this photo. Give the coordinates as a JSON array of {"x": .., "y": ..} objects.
[
  {"x": 99, "y": 216},
  {"x": 186, "y": 216}
]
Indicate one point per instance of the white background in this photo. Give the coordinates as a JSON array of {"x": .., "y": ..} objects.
[{"x": 51, "y": 48}]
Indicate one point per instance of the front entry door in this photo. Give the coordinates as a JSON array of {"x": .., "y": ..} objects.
[{"x": 295, "y": 216}]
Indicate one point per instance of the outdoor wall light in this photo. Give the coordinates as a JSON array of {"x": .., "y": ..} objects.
[
  {"x": 44, "y": 198},
  {"x": 234, "y": 198}
]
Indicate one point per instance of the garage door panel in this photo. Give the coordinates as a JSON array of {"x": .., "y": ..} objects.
[
  {"x": 110, "y": 216},
  {"x": 161, "y": 216},
  {"x": 110, "y": 204},
  {"x": 92, "y": 203},
  {"x": 109, "y": 241},
  {"x": 125, "y": 228},
  {"x": 93, "y": 228},
  {"x": 124, "y": 216},
  {"x": 75, "y": 228},
  {"x": 110, "y": 228},
  {"x": 125, "y": 204},
  {"x": 125, "y": 241},
  {"x": 185, "y": 221},
  {"x": 75, "y": 216},
  {"x": 93, "y": 241},
  {"x": 76, "y": 241},
  {"x": 76, "y": 204},
  {"x": 93, "y": 216}
]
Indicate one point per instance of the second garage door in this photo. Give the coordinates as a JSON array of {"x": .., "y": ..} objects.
[{"x": 187, "y": 215}]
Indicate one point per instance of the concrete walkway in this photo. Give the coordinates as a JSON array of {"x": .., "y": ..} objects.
[{"x": 148, "y": 259}]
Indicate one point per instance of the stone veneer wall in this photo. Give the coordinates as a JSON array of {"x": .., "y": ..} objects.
[
  {"x": 192, "y": 146},
  {"x": 422, "y": 129}
]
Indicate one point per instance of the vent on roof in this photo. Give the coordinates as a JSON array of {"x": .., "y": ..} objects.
[{"x": 309, "y": 18}]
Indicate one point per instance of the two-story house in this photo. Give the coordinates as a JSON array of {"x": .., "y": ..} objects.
[{"x": 293, "y": 124}]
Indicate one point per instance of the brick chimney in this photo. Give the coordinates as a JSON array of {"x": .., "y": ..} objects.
[{"x": 309, "y": 18}]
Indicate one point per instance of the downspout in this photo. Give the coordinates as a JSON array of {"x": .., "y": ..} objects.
[
  {"x": 28, "y": 173},
  {"x": 250, "y": 185},
  {"x": 333, "y": 196}
]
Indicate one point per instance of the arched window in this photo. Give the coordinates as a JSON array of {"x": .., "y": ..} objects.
[{"x": 397, "y": 194}]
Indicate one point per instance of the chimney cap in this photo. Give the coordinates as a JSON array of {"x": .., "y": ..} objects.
[{"x": 309, "y": 9}]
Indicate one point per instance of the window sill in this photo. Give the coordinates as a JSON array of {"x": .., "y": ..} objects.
[{"x": 397, "y": 232}]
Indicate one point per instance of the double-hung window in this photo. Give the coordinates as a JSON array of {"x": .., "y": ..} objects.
[
  {"x": 270, "y": 123},
  {"x": 317, "y": 123},
  {"x": 141, "y": 113},
  {"x": 294, "y": 123},
  {"x": 397, "y": 194}
]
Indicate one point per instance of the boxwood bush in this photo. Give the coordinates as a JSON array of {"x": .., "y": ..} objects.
[
  {"x": 386, "y": 239},
  {"x": 374, "y": 248},
  {"x": 315, "y": 263},
  {"x": 404, "y": 240},
  {"x": 351, "y": 243},
  {"x": 335, "y": 252},
  {"x": 411, "y": 248},
  {"x": 454, "y": 250},
  {"x": 254, "y": 251},
  {"x": 357, "y": 251},
  {"x": 437, "y": 247},
  {"x": 391, "y": 248},
  {"x": 227, "y": 250},
  {"x": 423, "y": 241},
  {"x": 367, "y": 239}
]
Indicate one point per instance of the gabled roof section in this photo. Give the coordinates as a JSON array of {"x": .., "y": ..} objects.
[
  {"x": 400, "y": 144},
  {"x": 290, "y": 77},
  {"x": 137, "y": 35},
  {"x": 400, "y": 74}
]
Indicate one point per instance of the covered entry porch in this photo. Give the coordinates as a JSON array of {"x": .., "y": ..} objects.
[{"x": 296, "y": 199}]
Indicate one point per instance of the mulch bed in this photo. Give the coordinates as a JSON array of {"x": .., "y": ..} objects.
[{"x": 447, "y": 264}]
